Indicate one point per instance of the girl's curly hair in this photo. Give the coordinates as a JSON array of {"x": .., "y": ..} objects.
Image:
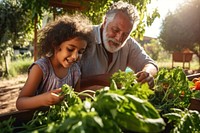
[{"x": 63, "y": 29}]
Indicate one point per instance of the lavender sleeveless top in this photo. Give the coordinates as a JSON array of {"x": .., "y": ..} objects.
[{"x": 50, "y": 81}]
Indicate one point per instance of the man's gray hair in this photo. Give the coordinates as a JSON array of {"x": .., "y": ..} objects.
[{"x": 124, "y": 7}]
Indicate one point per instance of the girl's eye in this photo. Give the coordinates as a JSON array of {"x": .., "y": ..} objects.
[
  {"x": 81, "y": 52},
  {"x": 70, "y": 49}
]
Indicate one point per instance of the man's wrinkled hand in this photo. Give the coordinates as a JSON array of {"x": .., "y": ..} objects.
[{"x": 145, "y": 77}]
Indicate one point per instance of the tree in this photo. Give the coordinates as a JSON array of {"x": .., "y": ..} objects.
[
  {"x": 19, "y": 18},
  {"x": 95, "y": 10},
  {"x": 181, "y": 29},
  {"x": 98, "y": 8},
  {"x": 153, "y": 48},
  {"x": 14, "y": 25}
]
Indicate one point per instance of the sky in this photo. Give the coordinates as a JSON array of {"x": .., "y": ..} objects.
[{"x": 164, "y": 6}]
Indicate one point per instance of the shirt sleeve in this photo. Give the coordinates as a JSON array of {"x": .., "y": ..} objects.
[
  {"x": 137, "y": 57},
  {"x": 43, "y": 64}
]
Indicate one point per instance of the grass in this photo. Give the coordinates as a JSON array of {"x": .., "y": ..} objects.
[
  {"x": 19, "y": 66},
  {"x": 167, "y": 63},
  {"x": 194, "y": 64}
]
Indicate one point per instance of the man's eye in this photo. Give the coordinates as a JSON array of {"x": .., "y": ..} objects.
[{"x": 115, "y": 30}]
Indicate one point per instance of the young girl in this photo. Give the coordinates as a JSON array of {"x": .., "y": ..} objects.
[{"x": 62, "y": 44}]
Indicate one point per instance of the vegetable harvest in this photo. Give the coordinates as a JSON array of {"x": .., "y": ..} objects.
[
  {"x": 125, "y": 106},
  {"x": 110, "y": 110}
]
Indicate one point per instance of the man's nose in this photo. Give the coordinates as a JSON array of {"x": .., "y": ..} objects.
[{"x": 119, "y": 37}]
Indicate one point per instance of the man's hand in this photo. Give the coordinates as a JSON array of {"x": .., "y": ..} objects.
[{"x": 144, "y": 77}]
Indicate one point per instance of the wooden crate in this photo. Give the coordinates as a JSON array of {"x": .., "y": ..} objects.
[
  {"x": 182, "y": 57},
  {"x": 194, "y": 104}
]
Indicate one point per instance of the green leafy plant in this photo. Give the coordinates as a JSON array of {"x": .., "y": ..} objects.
[
  {"x": 184, "y": 121},
  {"x": 108, "y": 110},
  {"x": 127, "y": 81},
  {"x": 172, "y": 89},
  {"x": 6, "y": 126},
  {"x": 124, "y": 106}
]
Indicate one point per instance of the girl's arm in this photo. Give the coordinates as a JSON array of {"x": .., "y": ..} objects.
[{"x": 27, "y": 99}]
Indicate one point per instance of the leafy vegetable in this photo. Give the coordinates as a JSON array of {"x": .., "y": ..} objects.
[
  {"x": 184, "y": 121},
  {"x": 124, "y": 79},
  {"x": 125, "y": 106},
  {"x": 196, "y": 94},
  {"x": 6, "y": 126},
  {"x": 127, "y": 81},
  {"x": 171, "y": 90},
  {"x": 130, "y": 113},
  {"x": 110, "y": 110}
]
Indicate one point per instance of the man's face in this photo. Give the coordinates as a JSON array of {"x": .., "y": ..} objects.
[{"x": 116, "y": 32}]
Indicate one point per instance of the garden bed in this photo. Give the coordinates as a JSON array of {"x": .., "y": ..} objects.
[{"x": 22, "y": 117}]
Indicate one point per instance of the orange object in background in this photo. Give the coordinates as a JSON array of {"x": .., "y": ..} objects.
[
  {"x": 197, "y": 85},
  {"x": 196, "y": 82}
]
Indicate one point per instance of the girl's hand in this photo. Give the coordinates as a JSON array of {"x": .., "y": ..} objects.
[
  {"x": 52, "y": 97},
  {"x": 144, "y": 76}
]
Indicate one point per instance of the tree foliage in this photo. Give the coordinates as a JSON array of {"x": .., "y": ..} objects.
[
  {"x": 17, "y": 18},
  {"x": 14, "y": 24},
  {"x": 98, "y": 8},
  {"x": 16, "y": 15},
  {"x": 153, "y": 49},
  {"x": 95, "y": 10},
  {"x": 181, "y": 29}
]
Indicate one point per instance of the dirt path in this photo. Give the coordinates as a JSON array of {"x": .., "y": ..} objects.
[{"x": 9, "y": 91}]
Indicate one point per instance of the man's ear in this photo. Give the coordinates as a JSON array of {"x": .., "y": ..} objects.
[{"x": 104, "y": 22}]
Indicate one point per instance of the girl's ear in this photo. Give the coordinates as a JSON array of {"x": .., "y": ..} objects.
[{"x": 56, "y": 49}]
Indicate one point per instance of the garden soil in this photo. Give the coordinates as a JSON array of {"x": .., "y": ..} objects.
[{"x": 9, "y": 91}]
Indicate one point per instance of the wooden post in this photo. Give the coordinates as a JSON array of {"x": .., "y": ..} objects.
[
  {"x": 184, "y": 60},
  {"x": 172, "y": 60}
]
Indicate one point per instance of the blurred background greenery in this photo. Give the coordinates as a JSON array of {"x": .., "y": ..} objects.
[{"x": 21, "y": 19}]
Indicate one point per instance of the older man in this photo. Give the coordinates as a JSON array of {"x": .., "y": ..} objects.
[{"x": 115, "y": 49}]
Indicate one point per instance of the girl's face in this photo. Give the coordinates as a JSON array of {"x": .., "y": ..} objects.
[{"x": 70, "y": 51}]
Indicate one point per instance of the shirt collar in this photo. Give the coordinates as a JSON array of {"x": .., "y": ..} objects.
[{"x": 98, "y": 34}]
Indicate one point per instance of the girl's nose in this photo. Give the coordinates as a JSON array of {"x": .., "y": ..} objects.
[{"x": 75, "y": 56}]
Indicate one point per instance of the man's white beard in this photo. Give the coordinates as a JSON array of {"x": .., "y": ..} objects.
[{"x": 111, "y": 48}]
